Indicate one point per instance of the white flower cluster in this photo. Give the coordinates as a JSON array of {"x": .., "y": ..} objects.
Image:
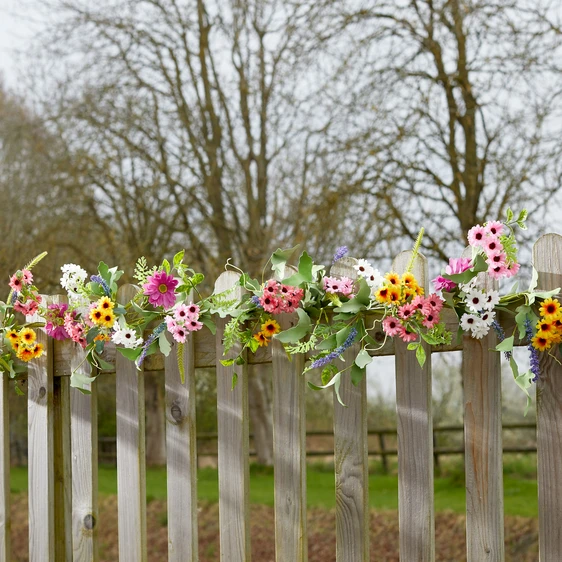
[
  {"x": 126, "y": 336},
  {"x": 481, "y": 304},
  {"x": 373, "y": 276},
  {"x": 73, "y": 279}
]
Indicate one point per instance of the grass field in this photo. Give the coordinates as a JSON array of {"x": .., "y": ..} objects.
[{"x": 520, "y": 488}]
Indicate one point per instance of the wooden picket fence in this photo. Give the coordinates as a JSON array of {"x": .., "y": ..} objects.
[{"x": 63, "y": 506}]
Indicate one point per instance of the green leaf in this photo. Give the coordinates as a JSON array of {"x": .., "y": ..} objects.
[
  {"x": 534, "y": 280},
  {"x": 337, "y": 391},
  {"x": 328, "y": 343},
  {"x": 178, "y": 258},
  {"x": 297, "y": 332},
  {"x": 254, "y": 345},
  {"x": 279, "y": 259},
  {"x": 81, "y": 381},
  {"x": 304, "y": 274},
  {"x": 523, "y": 381},
  {"x": 363, "y": 359},
  {"x": 357, "y": 374},
  {"x": 478, "y": 266},
  {"x": 509, "y": 215},
  {"x": 103, "y": 270},
  {"x": 166, "y": 265},
  {"x": 208, "y": 322},
  {"x": 227, "y": 362},
  {"x": 341, "y": 335},
  {"x": 360, "y": 301},
  {"x": 327, "y": 373},
  {"x": 413, "y": 345},
  {"x": 420, "y": 355},
  {"x": 92, "y": 334},
  {"x": 132, "y": 354},
  {"x": 506, "y": 344},
  {"x": 164, "y": 344},
  {"x": 520, "y": 317},
  {"x": 234, "y": 381},
  {"x": 331, "y": 382}
]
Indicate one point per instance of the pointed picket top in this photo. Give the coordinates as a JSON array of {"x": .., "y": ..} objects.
[
  {"x": 547, "y": 260},
  {"x": 344, "y": 268},
  {"x": 419, "y": 269}
]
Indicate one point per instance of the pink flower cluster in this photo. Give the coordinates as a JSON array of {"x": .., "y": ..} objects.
[
  {"x": 76, "y": 330},
  {"x": 488, "y": 238},
  {"x": 456, "y": 266},
  {"x": 28, "y": 305},
  {"x": 54, "y": 321},
  {"x": 279, "y": 298},
  {"x": 26, "y": 299},
  {"x": 185, "y": 319},
  {"x": 20, "y": 279},
  {"x": 424, "y": 310},
  {"x": 343, "y": 286}
]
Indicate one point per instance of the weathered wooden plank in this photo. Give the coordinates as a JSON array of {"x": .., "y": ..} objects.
[
  {"x": 547, "y": 259},
  {"x": 233, "y": 447},
  {"x": 415, "y": 440},
  {"x": 131, "y": 458},
  {"x": 289, "y": 451},
  {"x": 62, "y": 469},
  {"x": 481, "y": 371},
  {"x": 181, "y": 454},
  {"x": 351, "y": 456},
  {"x": 5, "y": 517},
  {"x": 40, "y": 417},
  {"x": 84, "y": 443}
]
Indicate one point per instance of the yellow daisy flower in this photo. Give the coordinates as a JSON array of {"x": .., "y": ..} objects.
[
  {"x": 107, "y": 319},
  {"x": 549, "y": 308},
  {"x": 393, "y": 278},
  {"x": 409, "y": 280},
  {"x": 25, "y": 354},
  {"x": 27, "y": 336},
  {"x": 270, "y": 328},
  {"x": 541, "y": 343},
  {"x": 382, "y": 294},
  {"x": 96, "y": 315},
  {"x": 12, "y": 336},
  {"x": 105, "y": 304},
  {"x": 261, "y": 339},
  {"x": 394, "y": 295},
  {"x": 38, "y": 350},
  {"x": 545, "y": 329}
]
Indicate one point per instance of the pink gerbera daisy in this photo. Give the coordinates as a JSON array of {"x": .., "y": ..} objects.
[
  {"x": 391, "y": 326},
  {"x": 332, "y": 285},
  {"x": 431, "y": 320},
  {"x": 442, "y": 284},
  {"x": 406, "y": 311},
  {"x": 16, "y": 282},
  {"x": 492, "y": 245},
  {"x": 496, "y": 258},
  {"x": 179, "y": 334},
  {"x": 512, "y": 269},
  {"x": 193, "y": 325},
  {"x": 27, "y": 276},
  {"x": 160, "y": 289},
  {"x": 421, "y": 305},
  {"x": 435, "y": 302},
  {"x": 498, "y": 271},
  {"x": 476, "y": 235},
  {"x": 406, "y": 335},
  {"x": 458, "y": 265},
  {"x": 495, "y": 228}
]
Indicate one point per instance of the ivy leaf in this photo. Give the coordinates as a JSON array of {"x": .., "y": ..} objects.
[
  {"x": 304, "y": 274},
  {"x": 357, "y": 374},
  {"x": 279, "y": 259},
  {"x": 413, "y": 345},
  {"x": 328, "y": 343},
  {"x": 297, "y": 332},
  {"x": 420, "y": 355},
  {"x": 81, "y": 381},
  {"x": 363, "y": 359},
  {"x": 506, "y": 344},
  {"x": 360, "y": 301},
  {"x": 331, "y": 382},
  {"x": 234, "y": 381},
  {"x": 178, "y": 258},
  {"x": 227, "y": 362},
  {"x": 132, "y": 354},
  {"x": 91, "y": 335},
  {"x": 164, "y": 344}
]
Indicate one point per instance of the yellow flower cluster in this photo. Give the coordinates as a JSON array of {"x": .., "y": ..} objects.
[
  {"x": 549, "y": 327},
  {"x": 268, "y": 329},
  {"x": 397, "y": 290},
  {"x": 25, "y": 344},
  {"x": 102, "y": 314}
]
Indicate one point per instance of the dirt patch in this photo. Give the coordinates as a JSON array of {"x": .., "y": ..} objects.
[{"x": 521, "y": 534}]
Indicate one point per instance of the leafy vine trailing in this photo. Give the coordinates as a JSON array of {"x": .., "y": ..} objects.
[{"x": 333, "y": 312}]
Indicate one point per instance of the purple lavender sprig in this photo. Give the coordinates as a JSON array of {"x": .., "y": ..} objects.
[
  {"x": 14, "y": 298},
  {"x": 533, "y": 352},
  {"x": 340, "y": 253},
  {"x": 501, "y": 336},
  {"x": 98, "y": 279},
  {"x": 149, "y": 341},
  {"x": 256, "y": 300},
  {"x": 322, "y": 361}
]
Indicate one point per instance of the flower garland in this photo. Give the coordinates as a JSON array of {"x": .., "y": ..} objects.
[{"x": 334, "y": 312}]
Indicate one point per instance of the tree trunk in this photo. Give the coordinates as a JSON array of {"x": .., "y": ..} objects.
[
  {"x": 155, "y": 419},
  {"x": 261, "y": 419}
]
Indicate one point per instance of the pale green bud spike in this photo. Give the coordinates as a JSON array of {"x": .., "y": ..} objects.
[{"x": 415, "y": 250}]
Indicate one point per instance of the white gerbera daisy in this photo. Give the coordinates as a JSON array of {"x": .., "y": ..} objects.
[
  {"x": 488, "y": 317},
  {"x": 127, "y": 337},
  {"x": 492, "y": 299},
  {"x": 363, "y": 268},
  {"x": 475, "y": 300},
  {"x": 480, "y": 329},
  {"x": 468, "y": 321}
]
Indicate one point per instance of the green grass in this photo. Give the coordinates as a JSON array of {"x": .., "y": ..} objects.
[{"x": 520, "y": 494}]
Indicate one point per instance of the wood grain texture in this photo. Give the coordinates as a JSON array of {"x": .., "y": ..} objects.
[
  {"x": 131, "y": 457},
  {"x": 481, "y": 372},
  {"x": 5, "y": 517},
  {"x": 415, "y": 440},
  {"x": 40, "y": 416},
  {"x": 351, "y": 456},
  {"x": 181, "y": 455},
  {"x": 547, "y": 259},
  {"x": 289, "y": 451},
  {"x": 233, "y": 446},
  {"x": 84, "y": 443}
]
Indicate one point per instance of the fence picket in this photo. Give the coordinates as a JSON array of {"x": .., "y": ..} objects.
[
  {"x": 547, "y": 259},
  {"x": 289, "y": 451},
  {"x": 233, "y": 444},
  {"x": 131, "y": 461},
  {"x": 41, "y": 483},
  {"x": 481, "y": 371},
  {"x": 415, "y": 440},
  {"x": 5, "y": 517},
  {"x": 181, "y": 456},
  {"x": 84, "y": 446},
  {"x": 351, "y": 456}
]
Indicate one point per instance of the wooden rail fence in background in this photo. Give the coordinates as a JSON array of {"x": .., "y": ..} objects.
[{"x": 63, "y": 450}]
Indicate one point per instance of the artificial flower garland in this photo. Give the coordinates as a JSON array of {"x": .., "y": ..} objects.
[{"x": 334, "y": 312}]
